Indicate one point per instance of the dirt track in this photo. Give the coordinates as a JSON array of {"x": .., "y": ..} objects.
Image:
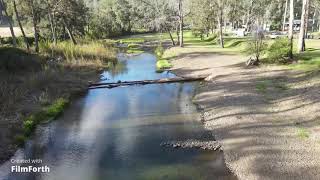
[{"x": 267, "y": 119}]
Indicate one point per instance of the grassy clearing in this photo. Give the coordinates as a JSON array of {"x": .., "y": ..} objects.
[{"x": 309, "y": 61}]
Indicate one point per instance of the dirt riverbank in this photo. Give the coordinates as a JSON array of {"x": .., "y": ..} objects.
[
  {"x": 30, "y": 88},
  {"x": 267, "y": 119}
]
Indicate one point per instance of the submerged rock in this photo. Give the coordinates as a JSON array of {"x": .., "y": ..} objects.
[{"x": 204, "y": 145}]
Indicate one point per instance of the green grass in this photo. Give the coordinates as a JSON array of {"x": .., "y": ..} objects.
[
  {"x": 303, "y": 133},
  {"x": 134, "y": 48},
  {"x": 163, "y": 64},
  {"x": 309, "y": 60},
  {"x": 134, "y": 51},
  {"x": 47, "y": 114}
]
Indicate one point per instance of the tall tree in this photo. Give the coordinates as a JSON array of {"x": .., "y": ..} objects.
[
  {"x": 20, "y": 24},
  {"x": 303, "y": 30},
  {"x": 181, "y": 18},
  {"x": 291, "y": 28},
  {"x": 220, "y": 21},
  {"x": 285, "y": 16}
]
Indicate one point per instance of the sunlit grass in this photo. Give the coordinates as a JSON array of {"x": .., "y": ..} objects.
[
  {"x": 309, "y": 60},
  {"x": 163, "y": 64},
  {"x": 97, "y": 51}
]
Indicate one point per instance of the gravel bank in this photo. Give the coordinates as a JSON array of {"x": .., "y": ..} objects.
[{"x": 267, "y": 119}]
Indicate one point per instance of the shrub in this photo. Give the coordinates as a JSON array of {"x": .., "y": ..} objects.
[
  {"x": 159, "y": 51},
  {"x": 57, "y": 108},
  {"x": 49, "y": 113},
  {"x": 163, "y": 64},
  {"x": 278, "y": 52},
  {"x": 29, "y": 125},
  {"x": 257, "y": 46}
]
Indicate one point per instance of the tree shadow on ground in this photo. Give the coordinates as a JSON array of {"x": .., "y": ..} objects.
[{"x": 258, "y": 113}]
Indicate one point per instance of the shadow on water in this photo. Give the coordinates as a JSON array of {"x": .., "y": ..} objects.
[{"x": 116, "y": 133}]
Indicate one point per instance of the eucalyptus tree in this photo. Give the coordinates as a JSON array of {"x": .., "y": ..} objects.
[
  {"x": 20, "y": 24},
  {"x": 291, "y": 20},
  {"x": 304, "y": 25}
]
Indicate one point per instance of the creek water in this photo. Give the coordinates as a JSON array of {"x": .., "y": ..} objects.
[{"x": 116, "y": 133}]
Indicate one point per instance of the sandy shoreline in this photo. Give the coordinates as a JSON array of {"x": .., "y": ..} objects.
[{"x": 267, "y": 119}]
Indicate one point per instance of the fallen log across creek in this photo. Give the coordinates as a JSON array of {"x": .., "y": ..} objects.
[{"x": 144, "y": 82}]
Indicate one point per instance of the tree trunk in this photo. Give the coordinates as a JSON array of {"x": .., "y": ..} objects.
[
  {"x": 52, "y": 26},
  {"x": 304, "y": 16},
  {"x": 20, "y": 25},
  {"x": 172, "y": 40},
  {"x": 70, "y": 33},
  {"x": 220, "y": 19},
  {"x": 4, "y": 8},
  {"x": 249, "y": 15},
  {"x": 181, "y": 23},
  {"x": 178, "y": 35},
  {"x": 285, "y": 16},
  {"x": 291, "y": 19},
  {"x": 36, "y": 35}
]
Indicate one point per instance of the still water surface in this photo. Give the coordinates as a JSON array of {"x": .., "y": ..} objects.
[{"x": 115, "y": 134}]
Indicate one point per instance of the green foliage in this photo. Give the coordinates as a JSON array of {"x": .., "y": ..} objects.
[
  {"x": 163, "y": 64},
  {"x": 56, "y": 108},
  {"x": 49, "y": 113},
  {"x": 278, "y": 52},
  {"x": 159, "y": 51},
  {"x": 134, "y": 51},
  {"x": 254, "y": 48}
]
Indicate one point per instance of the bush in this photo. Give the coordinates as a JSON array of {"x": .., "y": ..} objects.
[
  {"x": 159, "y": 51},
  {"x": 52, "y": 112},
  {"x": 57, "y": 108},
  {"x": 278, "y": 52},
  {"x": 163, "y": 64}
]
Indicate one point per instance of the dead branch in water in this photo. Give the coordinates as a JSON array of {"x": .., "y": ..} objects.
[{"x": 144, "y": 82}]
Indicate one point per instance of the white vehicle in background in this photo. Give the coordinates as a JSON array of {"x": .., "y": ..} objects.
[{"x": 276, "y": 35}]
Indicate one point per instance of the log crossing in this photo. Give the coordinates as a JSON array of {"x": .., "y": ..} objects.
[{"x": 145, "y": 82}]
